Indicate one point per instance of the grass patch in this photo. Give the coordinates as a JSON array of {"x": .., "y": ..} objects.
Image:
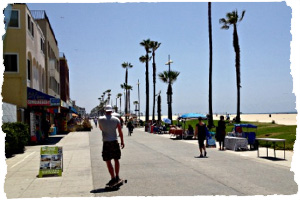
[{"x": 264, "y": 130}]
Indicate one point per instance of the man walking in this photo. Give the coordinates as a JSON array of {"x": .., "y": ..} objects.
[{"x": 111, "y": 148}]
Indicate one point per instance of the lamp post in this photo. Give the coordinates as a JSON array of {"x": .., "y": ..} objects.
[{"x": 169, "y": 92}]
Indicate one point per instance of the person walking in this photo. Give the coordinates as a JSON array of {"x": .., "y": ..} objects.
[
  {"x": 200, "y": 133},
  {"x": 221, "y": 132},
  {"x": 111, "y": 148},
  {"x": 130, "y": 126},
  {"x": 95, "y": 121}
]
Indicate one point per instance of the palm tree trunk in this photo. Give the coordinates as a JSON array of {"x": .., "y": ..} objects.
[
  {"x": 237, "y": 68},
  {"x": 170, "y": 103},
  {"x": 120, "y": 104},
  {"x": 126, "y": 98},
  {"x": 147, "y": 89},
  {"x": 154, "y": 82},
  {"x": 210, "y": 120},
  {"x": 159, "y": 108}
]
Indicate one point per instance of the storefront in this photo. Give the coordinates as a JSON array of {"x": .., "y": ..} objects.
[{"x": 41, "y": 109}]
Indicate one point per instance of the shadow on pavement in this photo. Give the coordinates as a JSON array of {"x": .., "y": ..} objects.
[
  {"x": 52, "y": 140},
  {"x": 273, "y": 158}
]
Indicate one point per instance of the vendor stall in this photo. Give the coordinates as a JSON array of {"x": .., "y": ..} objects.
[{"x": 188, "y": 116}]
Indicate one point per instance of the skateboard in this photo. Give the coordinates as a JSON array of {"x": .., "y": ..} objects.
[
  {"x": 117, "y": 185},
  {"x": 201, "y": 157}
]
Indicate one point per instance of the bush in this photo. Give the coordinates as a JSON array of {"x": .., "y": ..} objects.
[{"x": 17, "y": 136}]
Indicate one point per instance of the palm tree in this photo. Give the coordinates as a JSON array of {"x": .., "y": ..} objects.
[
  {"x": 127, "y": 98},
  {"x": 169, "y": 78},
  {"x": 232, "y": 19},
  {"x": 128, "y": 88},
  {"x": 120, "y": 97},
  {"x": 159, "y": 107},
  {"x": 126, "y": 65},
  {"x": 145, "y": 59},
  {"x": 210, "y": 118},
  {"x": 154, "y": 45}
]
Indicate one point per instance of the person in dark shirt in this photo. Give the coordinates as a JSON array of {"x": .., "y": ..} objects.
[
  {"x": 200, "y": 133},
  {"x": 221, "y": 132}
]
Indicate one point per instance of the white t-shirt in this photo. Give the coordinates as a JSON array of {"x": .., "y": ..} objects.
[{"x": 109, "y": 127}]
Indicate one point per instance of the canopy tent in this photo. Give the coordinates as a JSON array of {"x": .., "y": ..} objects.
[
  {"x": 167, "y": 121},
  {"x": 245, "y": 125},
  {"x": 192, "y": 115}
]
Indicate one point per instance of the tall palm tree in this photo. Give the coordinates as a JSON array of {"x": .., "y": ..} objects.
[
  {"x": 120, "y": 97},
  {"x": 126, "y": 65},
  {"x": 210, "y": 118},
  {"x": 167, "y": 77},
  {"x": 128, "y": 88},
  {"x": 145, "y": 59},
  {"x": 233, "y": 18},
  {"x": 159, "y": 107},
  {"x": 154, "y": 45}
]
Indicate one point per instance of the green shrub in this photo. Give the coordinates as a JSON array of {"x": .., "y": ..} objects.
[{"x": 17, "y": 136}]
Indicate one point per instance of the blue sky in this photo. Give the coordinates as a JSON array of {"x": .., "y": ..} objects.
[{"x": 97, "y": 38}]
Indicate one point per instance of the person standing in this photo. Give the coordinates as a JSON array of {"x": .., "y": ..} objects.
[
  {"x": 130, "y": 126},
  {"x": 111, "y": 148},
  {"x": 221, "y": 132},
  {"x": 200, "y": 133}
]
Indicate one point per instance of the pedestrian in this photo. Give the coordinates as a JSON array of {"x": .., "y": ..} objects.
[
  {"x": 221, "y": 132},
  {"x": 95, "y": 121},
  {"x": 200, "y": 133},
  {"x": 130, "y": 126},
  {"x": 111, "y": 148}
]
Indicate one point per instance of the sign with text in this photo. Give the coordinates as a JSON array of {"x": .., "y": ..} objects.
[{"x": 51, "y": 161}]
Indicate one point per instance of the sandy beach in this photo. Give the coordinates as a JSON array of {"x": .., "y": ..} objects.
[{"x": 284, "y": 119}]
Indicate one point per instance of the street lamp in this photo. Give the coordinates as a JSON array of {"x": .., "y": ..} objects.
[{"x": 169, "y": 92}]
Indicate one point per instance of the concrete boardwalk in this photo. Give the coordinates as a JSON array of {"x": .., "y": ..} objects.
[{"x": 85, "y": 173}]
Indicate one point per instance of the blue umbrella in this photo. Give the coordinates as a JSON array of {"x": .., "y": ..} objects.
[
  {"x": 192, "y": 115},
  {"x": 167, "y": 121}
]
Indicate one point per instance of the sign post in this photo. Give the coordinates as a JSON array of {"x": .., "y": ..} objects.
[{"x": 51, "y": 161}]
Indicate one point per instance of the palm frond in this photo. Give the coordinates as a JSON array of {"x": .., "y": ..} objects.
[
  {"x": 243, "y": 14},
  {"x": 226, "y": 27},
  {"x": 222, "y": 21}
]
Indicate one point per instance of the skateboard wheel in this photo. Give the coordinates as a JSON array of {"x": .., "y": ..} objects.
[{"x": 125, "y": 181}]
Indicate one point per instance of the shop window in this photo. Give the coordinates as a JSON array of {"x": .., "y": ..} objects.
[
  {"x": 28, "y": 70},
  {"x": 42, "y": 45},
  {"x": 30, "y": 25},
  {"x": 11, "y": 62},
  {"x": 14, "y": 19}
]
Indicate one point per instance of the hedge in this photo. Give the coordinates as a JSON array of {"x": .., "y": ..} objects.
[{"x": 17, "y": 136}]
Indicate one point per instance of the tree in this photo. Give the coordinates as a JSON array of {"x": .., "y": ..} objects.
[
  {"x": 167, "y": 77},
  {"x": 159, "y": 108},
  {"x": 210, "y": 118},
  {"x": 126, "y": 65},
  {"x": 232, "y": 19},
  {"x": 154, "y": 45},
  {"x": 145, "y": 59},
  {"x": 127, "y": 99},
  {"x": 120, "y": 97}
]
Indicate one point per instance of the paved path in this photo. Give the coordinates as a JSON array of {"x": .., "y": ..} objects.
[{"x": 154, "y": 165}]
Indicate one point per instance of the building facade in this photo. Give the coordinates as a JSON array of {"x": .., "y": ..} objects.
[{"x": 24, "y": 59}]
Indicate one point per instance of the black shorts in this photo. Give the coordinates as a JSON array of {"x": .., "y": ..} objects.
[
  {"x": 201, "y": 143},
  {"x": 111, "y": 150}
]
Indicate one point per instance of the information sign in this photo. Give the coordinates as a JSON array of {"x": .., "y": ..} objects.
[{"x": 51, "y": 161}]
